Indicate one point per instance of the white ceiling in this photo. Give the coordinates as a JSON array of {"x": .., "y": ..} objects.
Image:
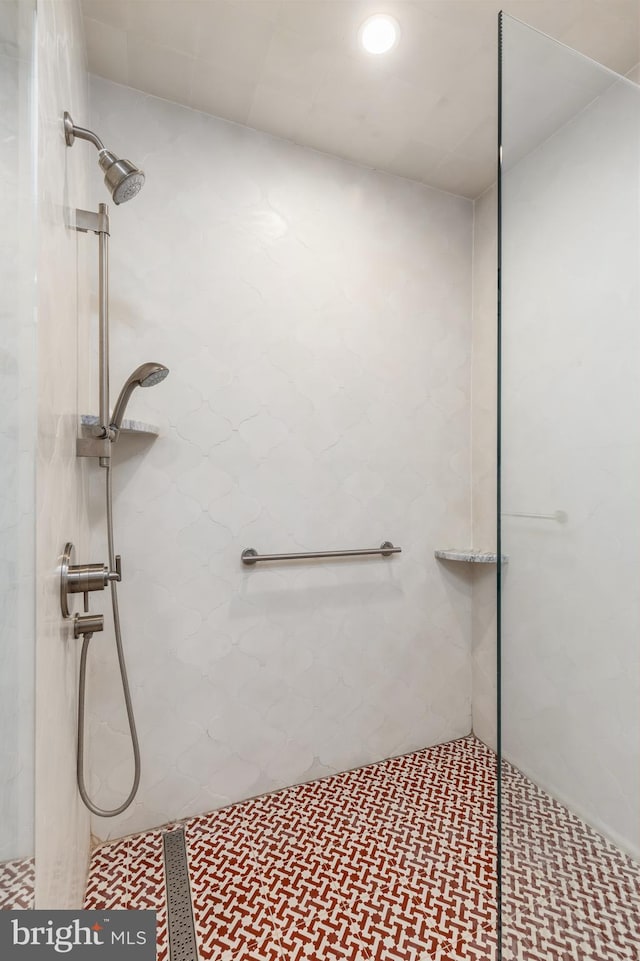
[{"x": 427, "y": 110}]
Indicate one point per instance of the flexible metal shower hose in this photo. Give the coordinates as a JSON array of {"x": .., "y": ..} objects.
[{"x": 123, "y": 674}]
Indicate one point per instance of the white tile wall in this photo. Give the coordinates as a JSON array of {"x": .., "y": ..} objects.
[
  {"x": 571, "y": 667},
  {"x": 62, "y": 823},
  {"x": 483, "y": 457},
  {"x": 17, "y": 434},
  {"x": 316, "y": 319},
  {"x": 583, "y": 764}
]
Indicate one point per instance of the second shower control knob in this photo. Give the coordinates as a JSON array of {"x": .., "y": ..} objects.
[{"x": 87, "y": 624}]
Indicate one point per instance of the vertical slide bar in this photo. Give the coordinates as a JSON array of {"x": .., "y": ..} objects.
[{"x": 103, "y": 321}]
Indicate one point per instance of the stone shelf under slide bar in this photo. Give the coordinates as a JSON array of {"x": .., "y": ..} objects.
[{"x": 128, "y": 426}]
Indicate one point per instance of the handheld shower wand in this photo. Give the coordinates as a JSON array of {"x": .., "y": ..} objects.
[{"x": 146, "y": 375}]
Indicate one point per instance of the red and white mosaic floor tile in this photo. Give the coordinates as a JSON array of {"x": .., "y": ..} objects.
[
  {"x": 569, "y": 894},
  {"x": 392, "y": 862},
  {"x": 129, "y": 875},
  {"x": 384, "y": 863},
  {"x": 17, "y": 884}
]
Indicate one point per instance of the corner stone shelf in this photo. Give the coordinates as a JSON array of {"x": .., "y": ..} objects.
[
  {"x": 128, "y": 426},
  {"x": 469, "y": 556}
]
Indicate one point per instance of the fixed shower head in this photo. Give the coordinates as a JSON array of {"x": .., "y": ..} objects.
[
  {"x": 123, "y": 179},
  {"x": 147, "y": 375}
]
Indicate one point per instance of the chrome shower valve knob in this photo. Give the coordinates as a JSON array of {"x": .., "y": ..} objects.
[
  {"x": 87, "y": 624},
  {"x": 80, "y": 579},
  {"x": 83, "y": 578}
]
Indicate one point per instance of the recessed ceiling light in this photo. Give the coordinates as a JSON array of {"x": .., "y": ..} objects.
[{"x": 379, "y": 33}]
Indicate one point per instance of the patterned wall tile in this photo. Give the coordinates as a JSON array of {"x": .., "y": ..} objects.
[
  {"x": 61, "y": 480},
  {"x": 570, "y": 667},
  {"x": 307, "y": 407}
]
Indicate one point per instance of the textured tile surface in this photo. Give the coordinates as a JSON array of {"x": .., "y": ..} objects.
[
  {"x": 317, "y": 325},
  {"x": 61, "y": 488},
  {"x": 129, "y": 875},
  {"x": 569, "y": 893},
  {"x": 484, "y": 379},
  {"x": 17, "y": 884},
  {"x": 571, "y": 443},
  {"x": 381, "y": 862},
  {"x": 18, "y": 390},
  {"x": 395, "y": 862}
]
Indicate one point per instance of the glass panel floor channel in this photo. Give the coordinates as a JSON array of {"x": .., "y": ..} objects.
[{"x": 391, "y": 862}]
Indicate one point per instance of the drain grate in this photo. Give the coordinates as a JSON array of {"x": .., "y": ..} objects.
[{"x": 182, "y": 935}]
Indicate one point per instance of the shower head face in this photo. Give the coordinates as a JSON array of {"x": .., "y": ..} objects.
[
  {"x": 154, "y": 376},
  {"x": 147, "y": 375},
  {"x": 123, "y": 179}
]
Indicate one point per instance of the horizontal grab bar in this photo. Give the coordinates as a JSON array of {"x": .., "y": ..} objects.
[
  {"x": 560, "y": 516},
  {"x": 251, "y": 556}
]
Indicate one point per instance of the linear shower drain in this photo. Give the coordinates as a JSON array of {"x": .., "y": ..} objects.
[{"x": 182, "y": 935}]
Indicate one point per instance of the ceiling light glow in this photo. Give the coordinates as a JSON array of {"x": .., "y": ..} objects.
[{"x": 379, "y": 33}]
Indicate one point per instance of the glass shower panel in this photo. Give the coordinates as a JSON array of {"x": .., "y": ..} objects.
[
  {"x": 569, "y": 581},
  {"x": 17, "y": 455}
]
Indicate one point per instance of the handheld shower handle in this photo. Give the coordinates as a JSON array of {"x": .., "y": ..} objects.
[{"x": 146, "y": 375}]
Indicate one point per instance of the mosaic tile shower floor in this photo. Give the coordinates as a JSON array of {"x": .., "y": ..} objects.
[
  {"x": 17, "y": 884},
  {"x": 392, "y": 862}
]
